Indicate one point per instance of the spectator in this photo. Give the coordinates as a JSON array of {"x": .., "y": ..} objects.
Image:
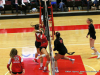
[
  {"x": 25, "y": 5},
  {"x": 86, "y": 2},
  {"x": 95, "y": 3},
  {"x": 15, "y": 4},
  {"x": 61, "y": 5},
  {"x": 2, "y": 2}
]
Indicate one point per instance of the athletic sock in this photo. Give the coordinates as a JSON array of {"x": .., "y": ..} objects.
[
  {"x": 41, "y": 64},
  {"x": 70, "y": 59},
  {"x": 45, "y": 68}
]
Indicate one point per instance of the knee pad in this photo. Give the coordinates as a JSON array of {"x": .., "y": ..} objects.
[
  {"x": 48, "y": 62},
  {"x": 92, "y": 48}
]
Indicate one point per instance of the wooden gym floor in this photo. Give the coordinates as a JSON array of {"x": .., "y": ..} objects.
[{"x": 74, "y": 40}]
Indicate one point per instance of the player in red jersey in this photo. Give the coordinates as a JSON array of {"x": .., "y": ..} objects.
[
  {"x": 44, "y": 43},
  {"x": 17, "y": 63},
  {"x": 38, "y": 40},
  {"x": 38, "y": 44}
]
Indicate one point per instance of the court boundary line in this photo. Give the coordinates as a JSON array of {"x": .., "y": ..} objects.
[
  {"x": 6, "y": 73},
  {"x": 90, "y": 67},
  {"x": 87, "y": 66}
]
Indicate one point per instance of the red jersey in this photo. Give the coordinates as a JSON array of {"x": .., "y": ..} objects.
[
  {"x": 38, "y": 37},
  {"x": 44, "y": 41},
  {"x": 17, "y": 64}
]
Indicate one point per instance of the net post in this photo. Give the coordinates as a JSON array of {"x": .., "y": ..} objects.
[
  {"x": 49, "y": 40},
  {"x": 52, "y": 59}
]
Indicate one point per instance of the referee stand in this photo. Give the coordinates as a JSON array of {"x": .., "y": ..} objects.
[{"x": 51, "y": 20}]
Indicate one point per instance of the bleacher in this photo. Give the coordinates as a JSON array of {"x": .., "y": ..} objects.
[
  {"x": 77, "y": 7},
  {"x": 73, "y": 4},
  {"x": 9, "y": 7}
]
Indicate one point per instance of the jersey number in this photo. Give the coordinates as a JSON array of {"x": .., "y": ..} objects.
[
  {"x": 61, "y": 41},
  {"x": 16, "y": 58}
]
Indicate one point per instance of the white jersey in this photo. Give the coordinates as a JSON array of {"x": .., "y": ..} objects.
[
  {"x": 24, "y": 1},
  {"x": 2, "y": 2}
]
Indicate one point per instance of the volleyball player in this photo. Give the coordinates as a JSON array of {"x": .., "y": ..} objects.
[
  {"x": 17, "y": 63},
  {"x": 44, "y": 43},
  {"x": 37, "y": 45},
  {"x": 92, "y": 33},
  {"x": 59, "y": 46}
]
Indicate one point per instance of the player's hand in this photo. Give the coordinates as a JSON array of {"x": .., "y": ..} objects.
[
  {"x": 87, "y": 36},
  {"x": 23, "y": 71},
  {"x": 40, "y": 30},
  {"x": 10, "y": 72}
]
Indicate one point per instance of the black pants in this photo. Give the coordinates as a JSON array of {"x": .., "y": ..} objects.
[
  {"x": 16, "y": 6},
  {"x": 86, "y": 2},
  {"x": 24, "y": 8},
  {"x": 28, "y": 6},
  {"x": 1, "y": 8}
]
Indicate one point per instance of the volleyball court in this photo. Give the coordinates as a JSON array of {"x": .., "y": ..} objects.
[{"x": 65, "y": 67}]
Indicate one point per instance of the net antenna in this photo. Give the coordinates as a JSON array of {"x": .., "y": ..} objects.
[{"x": 47, "y": 30}]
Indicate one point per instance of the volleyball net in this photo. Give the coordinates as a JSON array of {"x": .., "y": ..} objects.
[{"x": 47, "y": 33}]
